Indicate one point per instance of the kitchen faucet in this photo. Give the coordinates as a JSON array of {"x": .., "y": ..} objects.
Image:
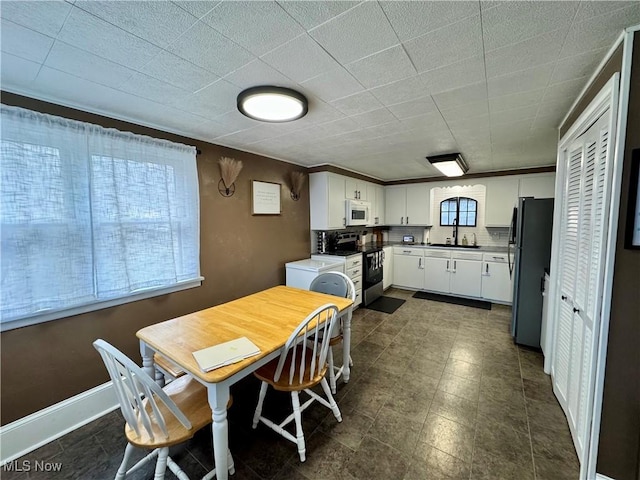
[
  {"x": 475, "y": 243},
  {"x": 455, "y": 231}
]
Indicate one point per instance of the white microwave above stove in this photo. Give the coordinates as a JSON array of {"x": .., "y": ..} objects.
[{"x": 358, "y": 212}]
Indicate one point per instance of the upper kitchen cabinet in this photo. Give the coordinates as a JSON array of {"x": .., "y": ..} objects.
[
  {"x": 356, "y": 189},
  {"x": 502, "y": 196},
  {"x": 376, "y": 195},
  {"x": 327, "y": 201},
  {"x": 408, "y": 205},
  {"x": 538, "y": 185}
]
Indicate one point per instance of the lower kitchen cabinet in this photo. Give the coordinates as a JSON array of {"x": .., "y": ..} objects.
[
  {"x": 453, "y": 272},
  {"x": 408, "y": 267},
  {"x": 496, "y": 280}
]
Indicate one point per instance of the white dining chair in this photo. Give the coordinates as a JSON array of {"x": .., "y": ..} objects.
[
  {"x": 340, "y": 285},
  {"x": 156, "y": 418},
  {"x": 302, "y": 365}
]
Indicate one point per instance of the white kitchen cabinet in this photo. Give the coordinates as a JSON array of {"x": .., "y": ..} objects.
[
  {"x": 408, "y": 268},
  {"x": 353, "y": 268},
  {"x": 451, "y": 271},
  {"x": 387, "y": 268},
  {"x": 356, "y": 189},
  {"x": 466, "y": 279},
  {"x": 408, "y": 205},
  {"x": 501, "y": 197},
  {"x": 437, "y": 265},
  {"x": 539, "y": 186},
  {"x": 375, "y": 195},
  {"x": 327, "y": 201},
  {"x": 497, "y": 284}
]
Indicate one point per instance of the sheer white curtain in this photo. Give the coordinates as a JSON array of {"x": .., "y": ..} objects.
[{"x": 90, "y": 215}]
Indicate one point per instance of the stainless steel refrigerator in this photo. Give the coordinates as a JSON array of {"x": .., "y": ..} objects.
[{"x": 532, "y": 224}]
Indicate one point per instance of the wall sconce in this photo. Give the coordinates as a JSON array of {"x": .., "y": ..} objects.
[
  {"x": 450, "y": 164},
  {"x": 229, "y": 170},
  {"x": 297, "y": 181}
]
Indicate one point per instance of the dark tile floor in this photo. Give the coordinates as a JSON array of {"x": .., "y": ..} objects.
[{"x": 437, "y": 391}]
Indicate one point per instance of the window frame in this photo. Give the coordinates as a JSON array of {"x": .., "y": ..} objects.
[{"x": 456, "y": 220}]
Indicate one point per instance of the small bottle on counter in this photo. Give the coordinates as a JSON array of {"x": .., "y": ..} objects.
[{"x": 464, "y": 240}]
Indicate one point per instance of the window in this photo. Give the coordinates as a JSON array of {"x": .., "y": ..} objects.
[
  {"x": 91, "y": 217},
  {"x": 462, "y": 210}
]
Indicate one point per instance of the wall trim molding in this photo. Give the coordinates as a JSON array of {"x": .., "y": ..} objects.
[
  {"x": 33, "y": 431},
  {"x": 599, "y": 476}
]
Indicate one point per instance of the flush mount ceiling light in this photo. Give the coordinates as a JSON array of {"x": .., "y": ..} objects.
[
  {"x": 272, "y": 104},
  {"x": 451, "y": 164}
]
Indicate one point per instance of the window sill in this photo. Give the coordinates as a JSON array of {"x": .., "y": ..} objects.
[{"x": 68, "y": 312}]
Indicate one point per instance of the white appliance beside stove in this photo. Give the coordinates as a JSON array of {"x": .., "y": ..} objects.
[{"x": 301, "y": 273}]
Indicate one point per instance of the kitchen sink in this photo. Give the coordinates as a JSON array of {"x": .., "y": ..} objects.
[{"x": 452, "y": 246}]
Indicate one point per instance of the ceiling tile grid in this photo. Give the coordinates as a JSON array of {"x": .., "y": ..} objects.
[{"x": 388, "y": 82}]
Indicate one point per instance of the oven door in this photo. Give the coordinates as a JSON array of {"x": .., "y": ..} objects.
[{"x": 372, "y": 268}]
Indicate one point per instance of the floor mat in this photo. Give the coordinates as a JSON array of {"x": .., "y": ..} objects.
[
  {"x": 385, "y": 304},
  {"x": 467, "y": 302}
]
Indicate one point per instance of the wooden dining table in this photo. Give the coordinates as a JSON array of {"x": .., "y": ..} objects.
[{"x": 267, "y": 318}]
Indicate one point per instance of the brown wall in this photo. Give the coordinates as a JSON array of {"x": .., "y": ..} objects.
[
  {"x": 619, "y": 449},
  {"x": 239, "y": 254}
]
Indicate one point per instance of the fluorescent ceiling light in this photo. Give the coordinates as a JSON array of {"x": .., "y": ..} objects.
[
  {"x": 451, "y": 164},
  {"x": 272, "y": 104}
]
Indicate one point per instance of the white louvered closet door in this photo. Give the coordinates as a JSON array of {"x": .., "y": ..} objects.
[{"x": 585, "y": 213}]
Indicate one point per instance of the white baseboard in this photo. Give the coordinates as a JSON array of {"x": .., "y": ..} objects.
[
  {"x": 26, "y": 434},
  {"x": 599, "y": 476}
]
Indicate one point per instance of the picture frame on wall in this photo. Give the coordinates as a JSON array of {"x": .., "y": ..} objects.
[
  {"x": 632, "y": 230},
  {"x": 265, "y": 198}
]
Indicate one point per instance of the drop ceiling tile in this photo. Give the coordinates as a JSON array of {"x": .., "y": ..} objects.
[
  {"x": 526, "y": 54},
  {"x": 374, "y": 117},
  {"x": 153, "y": 89},
  {"x": 300, "y": 59},
  {"x": 512, "y": 22},
  {"x": 84, "y": 31},
  {"x": 209, "y": 130},
  {"x": 599, "y": 32},
  {"x": 460, "y": 96},
  {"x": 17, "y": 73},
  {"x": 159, "y": 23},
  {"x": 311, "y": 14},
  {"x": 447, "y": 45},
  {"x": 178, "y": 72},
  {"x": 428, "y": 121},
  {"x": 358, "y": 103},
  {"x": 412, "y": 19},
  {"x": 46, "y": 17},
  {"x": 515, "y": 100},
  {"x": 554, "y": 112},
  {"x": 569, "y": 89},
  {"x": 413, "y": 108},
  {"x": 24, "y": 42},
  {"x": 455, "y": 76},
  {"x": 382, "y": 67},
  {"x": 321, "y": 112},
  {"x": 256, "y": 73},
  {"x": 234, "y": 121},
  {"x": 401, "y": 91},
  {"x": 577, "y": 66},
  {"x": 520, "y": 82},
  {"x": 209, "y": 49},
  {"x": 469, "y": 110},
  {"x": 475, "y": 123},
  {"x": 388, "y": 129},
  {"x": 210, "y": 102},
  {"x": 588, "y": 10},
  {"x": 197, "y": 8},
  {"x": 366, "y": 22},
  {"x": 336, "y": 127},
  {"x": 257, "y": 26},
  {"x": 527, "y": 112},
  {"x": 86, "y": 65},
  {"x": 334, "y": 84}
]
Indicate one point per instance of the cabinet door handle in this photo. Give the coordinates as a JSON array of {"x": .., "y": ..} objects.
[
  {"x": 454, "y": 265},
  {"x": 407, "y": 220},
  {"x": 564, "y": 297},
  {"x": 344, "y": 221},
  {"x": 406, "y": 251},
  {"x": 487, "y": 269},
  {"x": 575, "y": 310},
  {"x": 447, "y": 265},
  {"x": 401, "y": 220},
  {"x": 420, "y": 262},
  {"x": 355, "y": 272},
  {"x": 498, "y": 258}
]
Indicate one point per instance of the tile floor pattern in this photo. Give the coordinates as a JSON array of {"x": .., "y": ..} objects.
[{"x": 438, "y": 391}]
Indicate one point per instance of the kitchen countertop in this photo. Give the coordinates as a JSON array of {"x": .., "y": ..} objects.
[{"x": 420, "y": 245}]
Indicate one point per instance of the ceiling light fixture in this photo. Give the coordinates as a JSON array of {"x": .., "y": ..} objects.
[
  {"x": 451, "y": 164},
  {"x": 272, "y": 104}
]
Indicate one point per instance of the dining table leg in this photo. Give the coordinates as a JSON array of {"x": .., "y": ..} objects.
[
  {"x": 218, "y": 399},
  {"x": 346, "y": 347},
  {"x": 146, "y": 352}
]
